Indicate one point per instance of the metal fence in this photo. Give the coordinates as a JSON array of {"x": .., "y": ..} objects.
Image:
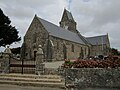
[
  {"x": 22, "y": 66},
  {"x": 10, "y": 64}
]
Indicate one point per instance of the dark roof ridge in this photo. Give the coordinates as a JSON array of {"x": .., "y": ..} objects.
[{"x": 97, "y": 36}]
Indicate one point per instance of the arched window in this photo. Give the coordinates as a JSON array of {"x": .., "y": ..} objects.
[
  {"x": 85, "y": 51},
  {"x": 65, "y": 51},
  {"x": 34, "y": 38},
  {"x": 72, "y": 48},
  {"x": 81, "y": 54},
  {"x": 57, "y": 45}
]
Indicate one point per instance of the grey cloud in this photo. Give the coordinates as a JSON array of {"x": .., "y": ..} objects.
[
  {"x": 20, "y": 12},
  {"x": 109, "y": 13}
]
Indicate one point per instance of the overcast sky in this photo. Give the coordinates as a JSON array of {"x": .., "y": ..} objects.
[{"x": 93, "y": 17}]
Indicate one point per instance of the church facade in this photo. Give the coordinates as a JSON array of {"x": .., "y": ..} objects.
[{"x": 61, "y": 42}]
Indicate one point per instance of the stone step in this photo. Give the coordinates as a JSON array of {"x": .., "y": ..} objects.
[
  {"x": 32, "y": 80},
  {"x": 31, "y": 76},
  {"x": 36, "y": 84}
]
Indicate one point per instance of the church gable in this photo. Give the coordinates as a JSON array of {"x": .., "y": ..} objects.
[
  {"x": 36, "y": 30},
  {"x": 36, "y": 35},
  {"x": 31, "y": 27}
]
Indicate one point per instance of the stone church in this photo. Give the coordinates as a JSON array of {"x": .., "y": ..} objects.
[{"x": 61, "y": 42}]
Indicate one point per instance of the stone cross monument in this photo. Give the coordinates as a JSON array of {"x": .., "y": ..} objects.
[{"x": 39, "y": 61}]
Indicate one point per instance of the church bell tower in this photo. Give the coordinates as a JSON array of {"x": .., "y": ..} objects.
[{"x": 67, "y": 21}]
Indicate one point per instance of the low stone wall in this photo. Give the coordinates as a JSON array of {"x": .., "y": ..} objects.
[{"x": 89, "y": 77}]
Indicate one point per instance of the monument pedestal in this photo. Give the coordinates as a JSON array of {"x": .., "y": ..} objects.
[{"x": 40, "y": 67}]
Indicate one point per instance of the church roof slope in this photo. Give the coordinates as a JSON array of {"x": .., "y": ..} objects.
[
  {"x": 59, "y": 32},
  {"x": 83, "y": 38},
  {"x": 97, "y": 40}
]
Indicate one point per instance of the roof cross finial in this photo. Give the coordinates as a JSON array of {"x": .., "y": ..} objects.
[{"x": 69, "y": 4}]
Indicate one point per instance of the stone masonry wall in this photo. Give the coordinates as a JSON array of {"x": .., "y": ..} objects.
[
  {"x": 90, "y": 77},
  {"x": 58, "y": 49},
  {"x": 99, "y": 50}
]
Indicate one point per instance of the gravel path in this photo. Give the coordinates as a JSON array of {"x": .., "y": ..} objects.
[{"x": 53, "y": 64}]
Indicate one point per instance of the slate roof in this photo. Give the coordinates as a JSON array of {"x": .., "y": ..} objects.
[
  {"x": 59, "y": 32},
  {"x": 69, "y": 15},
  {"x": 83, "y": 38},
  {"x": 97, "y": 40}
]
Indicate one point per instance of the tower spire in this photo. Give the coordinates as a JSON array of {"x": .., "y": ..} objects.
[{"x": 68, "y": 21}]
